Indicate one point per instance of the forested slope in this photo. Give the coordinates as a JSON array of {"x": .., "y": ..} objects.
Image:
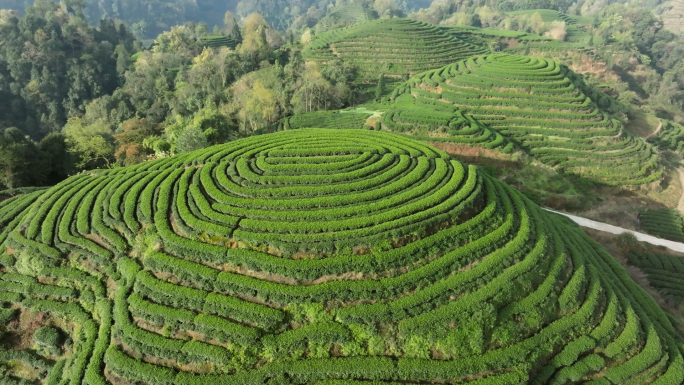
[{"x": 321, "y": 256}]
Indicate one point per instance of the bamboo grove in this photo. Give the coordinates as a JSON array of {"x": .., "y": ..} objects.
[{"x": 319, "y": 256}]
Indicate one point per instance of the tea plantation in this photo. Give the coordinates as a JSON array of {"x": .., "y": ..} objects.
[
  {"x": 670, "y": 137},
  {"x": 346, "y": 15},
  {"x": 576, "y": 26},
  {"x": 540, "y": 105},
  {"x": 318, "y": 256},
  {"x": 664, "y": 272},
  {"x": 393, "y": 47},
  {"x": 663, "y": 223},
  {"x": 217, "y": 41}
]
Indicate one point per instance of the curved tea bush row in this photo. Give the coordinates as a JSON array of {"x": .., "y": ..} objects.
[
  {"x": 670, "y": 137},
  {"x": 663, "y": 223},
  {"x": 664, "y": 272},
  {"x": 409, "y": 46},
  {"x": 411, "y": 116},
  {"x": 536, "y": 103},
  {"x": 326, "y": 256}
]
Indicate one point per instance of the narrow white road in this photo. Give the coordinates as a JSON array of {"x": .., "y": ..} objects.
[{"x": 584, "y": 222}]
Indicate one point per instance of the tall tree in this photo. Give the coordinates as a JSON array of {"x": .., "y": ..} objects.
[{"x": 380, "y": 88}]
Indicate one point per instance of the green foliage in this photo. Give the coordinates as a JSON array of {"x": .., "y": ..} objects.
[
  {"x": 664, "y": 272},
  {"x": 47, "y": 337},
  {"x": 663, "y": 223},
  {"x": 399, "y": 46},
  {"x": 50, "y": 85},
  {"x": 191, "y": 139},
  {"x": 535, "y": 102},
  {"x": 322, "y": 256}
]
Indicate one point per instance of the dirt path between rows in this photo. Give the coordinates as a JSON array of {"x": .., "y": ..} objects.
[
  {"x": 657, "y": 130},
  {"x": 584, "y": 222}
]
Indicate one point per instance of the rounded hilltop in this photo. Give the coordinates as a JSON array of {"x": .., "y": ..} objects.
[
  {"x": 392, "y": 47},
  {"x": 321, "y": 256},
  {"x": 538, "y": 104}
]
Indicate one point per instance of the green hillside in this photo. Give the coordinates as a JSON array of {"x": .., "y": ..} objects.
[
  {"x": 574, "y": 25},
  {"x": 670, "y": 137},
  {"x": 663, "y": 223},
  {"x": 346, "y": 15},
  {"x": 544, "y": 107},
  {"x": 316, "y": 257},
  {"x": 393, "y": 47},
  {"x": 428, "y": 119}
]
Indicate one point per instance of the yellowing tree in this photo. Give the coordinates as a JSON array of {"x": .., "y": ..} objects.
[
  {"x": 314, "y": 92},
  {"x": 254, "y": 36},
  {"x": 259, "y": 107},
  {"x": 91, "y": 143},
  {"x": 557, "y": 31}
]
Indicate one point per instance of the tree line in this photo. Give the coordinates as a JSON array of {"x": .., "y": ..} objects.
[{"x": 74, "y": 97}]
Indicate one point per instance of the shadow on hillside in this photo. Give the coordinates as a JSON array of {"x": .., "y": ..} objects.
[
  {"x": 632, "y": 82},
  {"x": 619, "y": 206}
]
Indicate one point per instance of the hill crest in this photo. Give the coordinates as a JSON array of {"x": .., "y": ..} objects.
[{"x": 186, "y": 270}]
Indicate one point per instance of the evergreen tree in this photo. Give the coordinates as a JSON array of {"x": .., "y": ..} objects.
[
  {"x": 380, "y": 89},
  {"x": 590, "y": 43},
  {"x": 235, "y": 33}
]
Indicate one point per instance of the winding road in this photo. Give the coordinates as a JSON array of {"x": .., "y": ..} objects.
[{"x": 584, "y": 222}]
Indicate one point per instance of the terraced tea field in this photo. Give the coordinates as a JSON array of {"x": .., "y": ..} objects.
[
  {"x": 346, "y": 15},
  {"x": 664, "y": 272},
  {"x": 670, "y": 137},
  {"x": 663, "y": 223},
  {"x": 672, "y": 13},
  {"x": 317, "y": 257},
  {"x": 393, "y": 47},
  {"x": 541, "y": 105},
  {"x": 217, "y": 41},
  {"x": 574, "y": 25},
  {"x": 429, "y": 120}
]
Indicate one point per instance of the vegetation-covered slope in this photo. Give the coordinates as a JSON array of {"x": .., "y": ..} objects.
[
  {"x": 664, "y": 272},
  {"x": 663, "y": 223},
  {"x": 321, "y": 256},
  {"x": 546, "y": 108},
  {"x": 393, "y": 47},
  {"x": 346, "y": 15},
  {"x": 574, "y": 25},
  {"x": 431, "y": 120},
  {"x": 670, "y": 137}
]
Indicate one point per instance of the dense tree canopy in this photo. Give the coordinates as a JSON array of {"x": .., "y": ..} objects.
[{"x": 52, "y": 63}]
